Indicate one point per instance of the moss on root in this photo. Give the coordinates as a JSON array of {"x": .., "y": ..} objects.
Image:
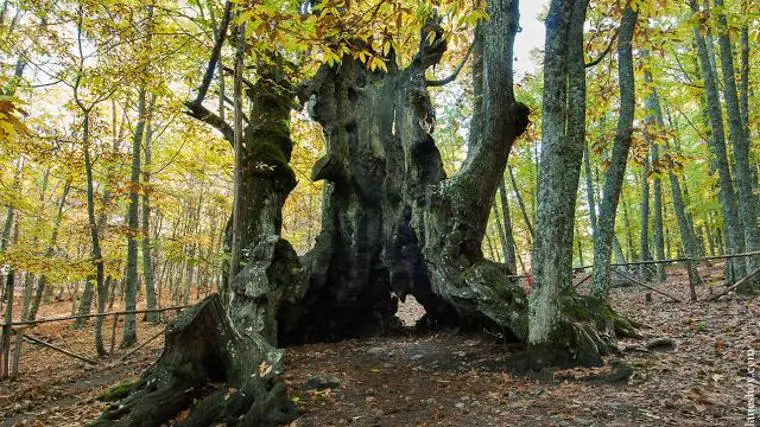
[
  {"x": 117, "y": 392},
  {"x": 500, "y": 300},
  {"x": 586, "y": 331}
]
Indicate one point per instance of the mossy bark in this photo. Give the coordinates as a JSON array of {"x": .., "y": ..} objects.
[
  {"x": 393, "y": 223},
  {"x": 585, "y": 331}
]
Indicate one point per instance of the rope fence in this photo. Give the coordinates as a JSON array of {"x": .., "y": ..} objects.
[
  {"x": 653, "y": 261},
  {"x": 9, "y": 368},
  {"x": 689, "y": 264}
]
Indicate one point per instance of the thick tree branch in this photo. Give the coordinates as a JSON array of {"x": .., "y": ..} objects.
[
  {"x": 215, "y": 54},
  {"x": 454, "y": 75},
  {"x": 198, "y": 111},
  {"x": 603, "y": 54},
  {"x": 245, "y": 81},
  {"x": 230, "y": 101}
]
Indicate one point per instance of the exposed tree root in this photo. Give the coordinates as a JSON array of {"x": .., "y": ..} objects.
[
  {"x": 587, "y": 331},
  {"x": 232, "y": 377}
]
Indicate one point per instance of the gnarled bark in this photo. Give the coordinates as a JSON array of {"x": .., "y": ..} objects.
[
  {"x": 393, "y": 223},
  {"x": 233, "y": 377}
]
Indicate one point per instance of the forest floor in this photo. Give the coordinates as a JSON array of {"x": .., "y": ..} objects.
[{"x": 453, "y": 379}]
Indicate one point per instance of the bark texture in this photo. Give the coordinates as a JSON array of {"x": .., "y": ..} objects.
[
  {"x": 734, "y": 235},
  {"x": 747, "y": 210},
  {"x": 393, "y": 223},
  {"x": 233, "y": 377},
  {"x": 564, "y": 329},
  {"x": 129, "y": 335},
  {"x": 654, "y": 125},
  {"x": 613, "y": 182},
  {"x": 272, "y": 271}
]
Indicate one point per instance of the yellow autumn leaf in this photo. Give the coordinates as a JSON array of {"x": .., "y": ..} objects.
[{"x": 264, "y": 368}]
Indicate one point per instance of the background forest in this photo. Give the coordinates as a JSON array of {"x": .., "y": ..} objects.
[{"x": 119, "y": 165}]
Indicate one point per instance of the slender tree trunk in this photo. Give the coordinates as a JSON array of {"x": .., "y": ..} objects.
[
  {"x": 129, "y": 333},
  {"x": 644, "y": 269},
  {"x": 710, "y": 239},
  {"x": 687, "y": 201},
  {"x": 97, "y": 256},
  {"x": 49, "y": 251},
  {"x": 523, "y": 211},
  {"x": 236, "y": 232},
  {"x": 147, "y": 257},
  {"x": 614, "y": 176},
  {"x": 26, "y": 300},
  {"x": 5, "y": 340},
  {"x": 617, "y": 248},
  {"x": 509, "y": 241},
  {"x": 659, "y": 242},
  {"x": 29, "y": 279},
  {"x": 193, "y": 262},
  {"x": 747, "y": 211},
  {"x": 502, "y": 237},
  {"x": 4, "y": 11},
  {"x": 579, "y": 242},
  {"x": 687, "y": 238},
  {"x": 655, "y": 125},
  {"x": 9, "y": 219},
  {"x": 734, "y": 236},
  {"x": 493, "y": 254},
  {"x": 744, "y": 69},
  {"x": 85, "y": 304},
  {"x": 590, "y": 191},
  {"x": 628, "y": 227}
]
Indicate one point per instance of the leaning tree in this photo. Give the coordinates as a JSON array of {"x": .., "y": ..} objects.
[{"x": 393, "y": 224}]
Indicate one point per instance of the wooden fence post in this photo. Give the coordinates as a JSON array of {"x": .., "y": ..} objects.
[
  {"x": 113, "y": 333},
  {"x": 693, "y": 279}
]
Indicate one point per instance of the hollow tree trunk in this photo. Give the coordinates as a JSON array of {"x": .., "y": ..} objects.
[{"x": 394, "y": 224}]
